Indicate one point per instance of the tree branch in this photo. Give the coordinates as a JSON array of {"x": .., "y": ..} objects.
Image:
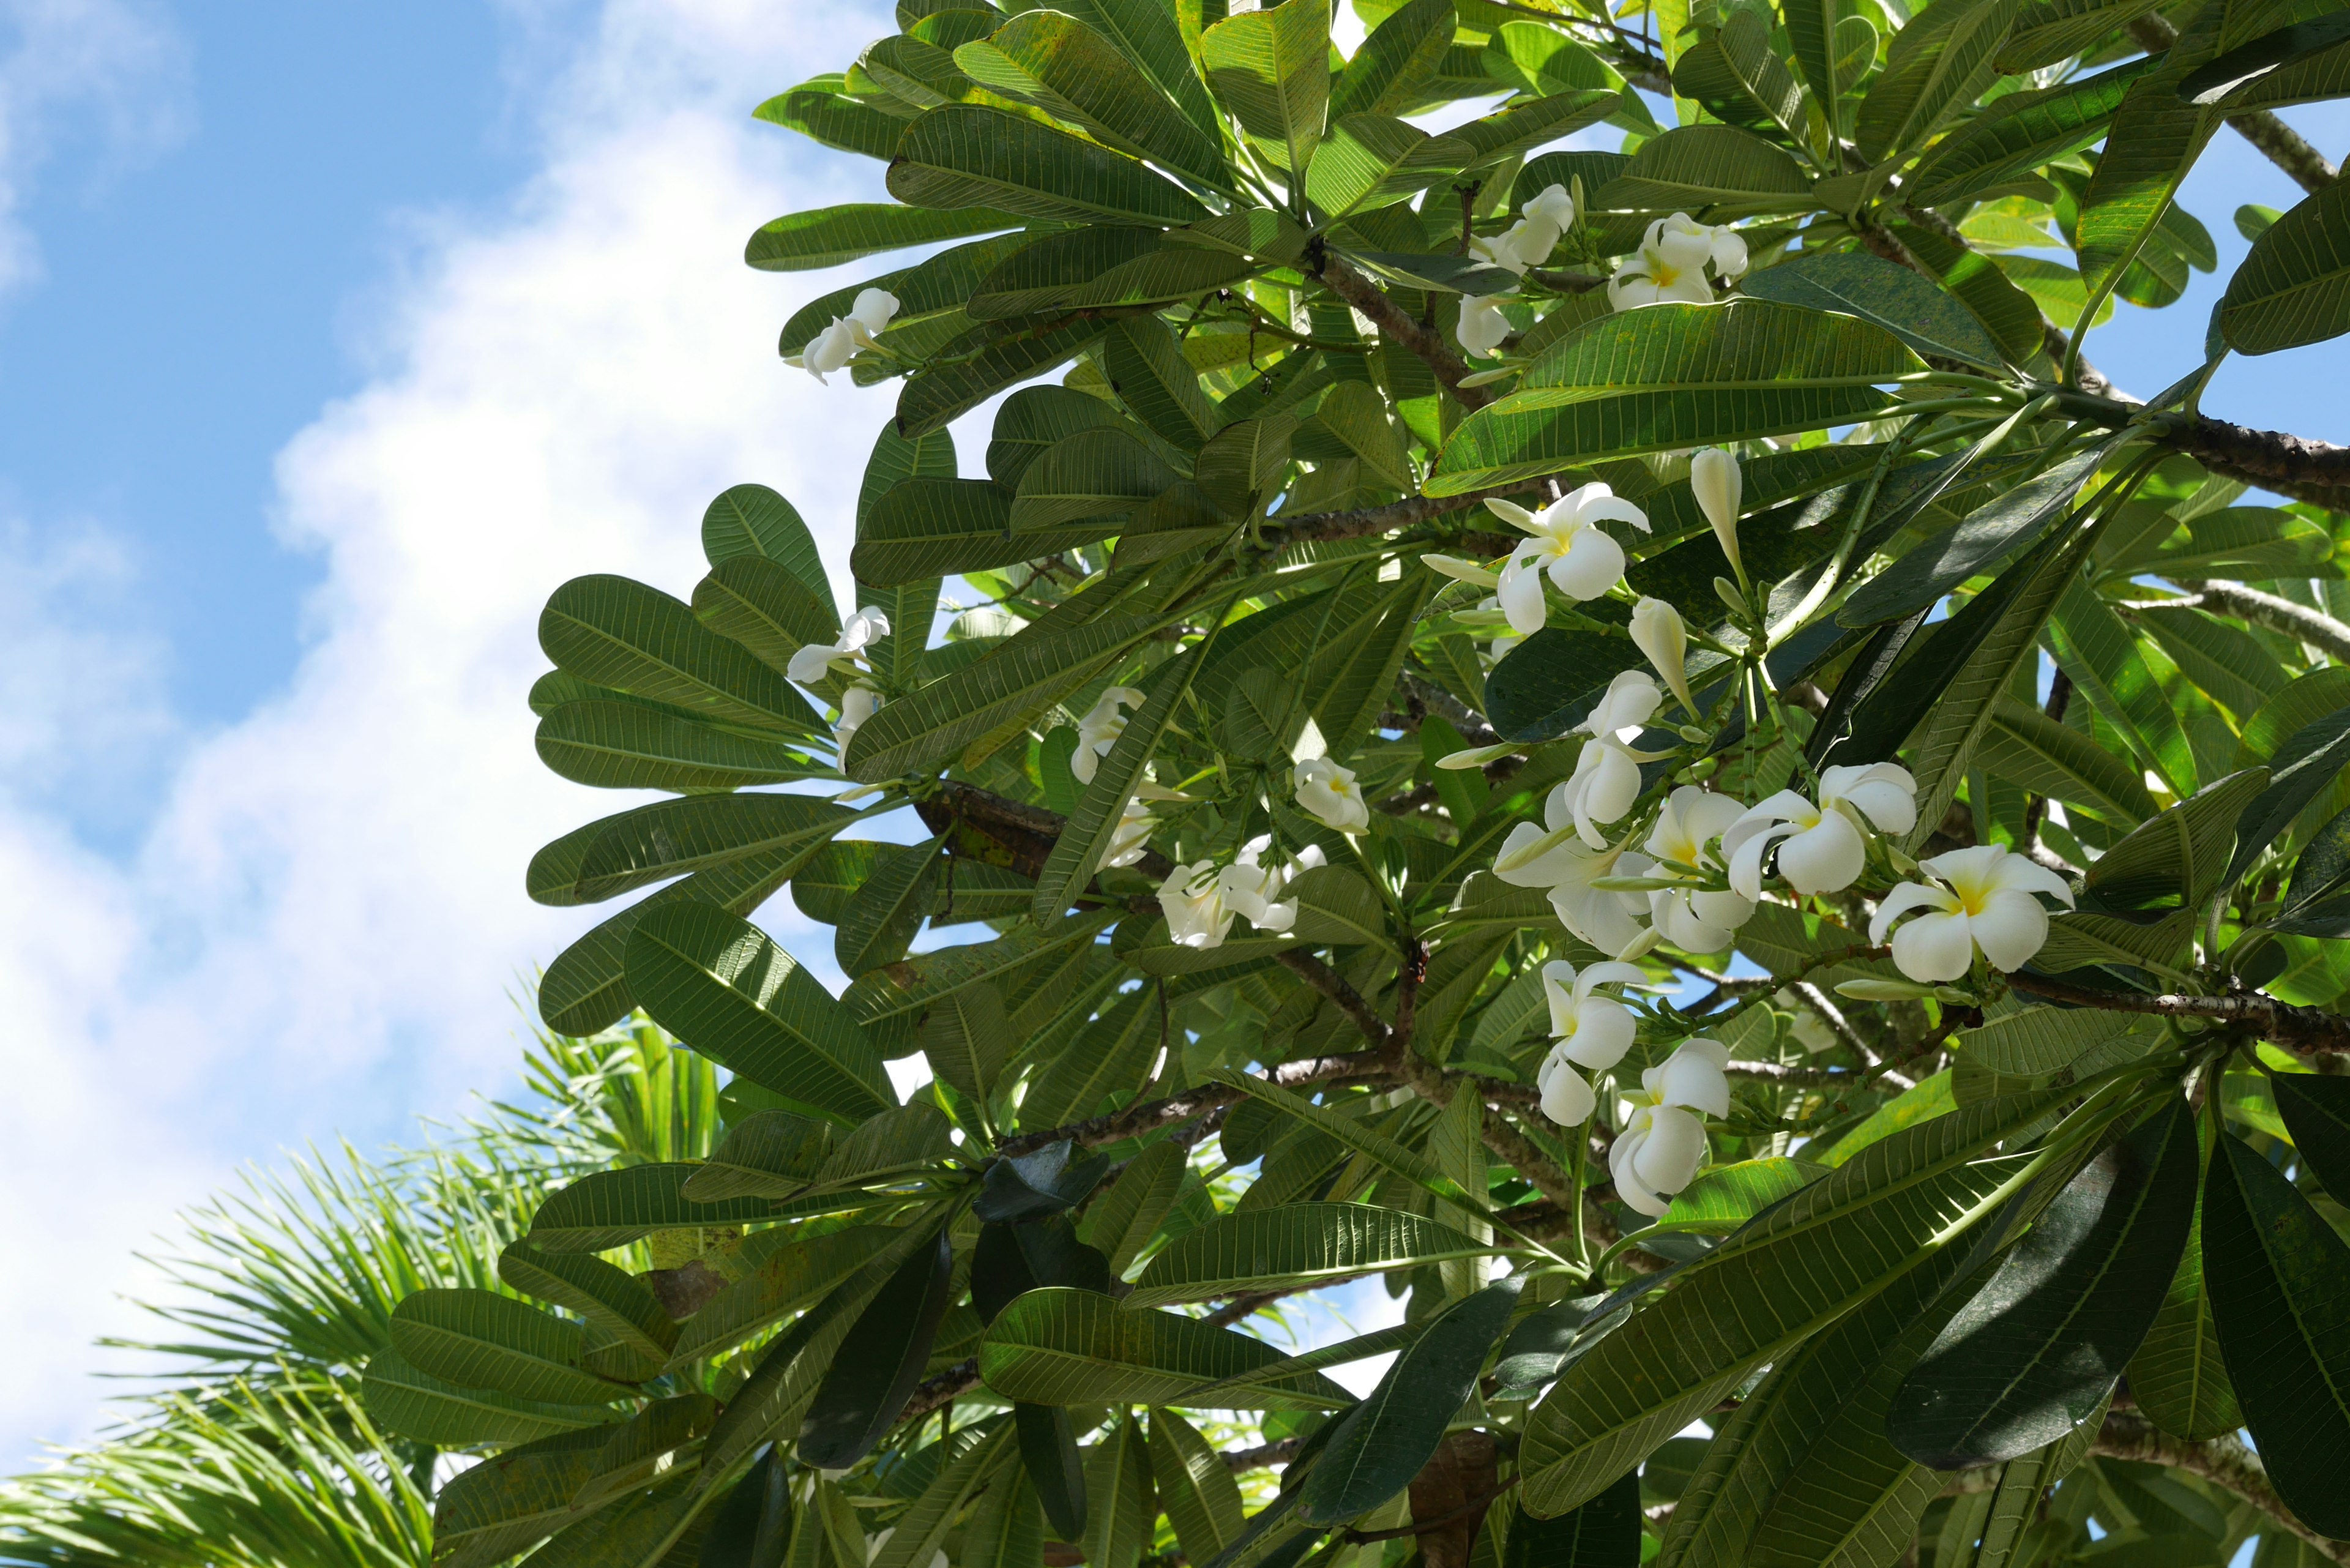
[
  {"x": 1387, "y": 316},
  {"x": 2225, "y": 1462},
  {"x": 1829, "y": 1014},
  {"x": 1136, "y": 1120},
  {"x": 2304, "y": 1031},
  {"x": 1280, "y": 1453},
  {"x": 1366, "y": 520},
  {"x": 2301, "y": 623},
  {"x": 2278, "y": 143},
  {"x": 1333, "y": 985}
]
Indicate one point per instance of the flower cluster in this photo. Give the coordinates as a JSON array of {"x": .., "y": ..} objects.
[
  {"x": 829, "y": 350},
  {"x": 1527, "y": 245},
  {"x": 1670, "y": 265},
  {"x": 1098, "y": 731},
  {"x": 1201, "y": 901},
  {"x": 814, "y": 662}
]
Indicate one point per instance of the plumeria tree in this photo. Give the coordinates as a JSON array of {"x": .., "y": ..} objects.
[{"x": 1636, "y": 735}]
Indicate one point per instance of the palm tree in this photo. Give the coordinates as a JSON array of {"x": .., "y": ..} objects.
[{"x": 249, "y": 1448}]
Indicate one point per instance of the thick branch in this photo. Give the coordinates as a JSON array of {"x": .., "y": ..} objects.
[
  {"x": 2278, "y": 142},
  {"x": 932, "y": 1392},
  {"x": 2225, "y": 1462},
  {"x": 2316, "y": 472},
  {"x": 2304, "y": 1031},
  {"x": 1136, "y": 1120},
  {"x": 1349, "y": 1000},
  {"x": 2301, "y": 623},
  {"x": 1387, "y": 316},
  {"x": 1280, "y": 1453}
]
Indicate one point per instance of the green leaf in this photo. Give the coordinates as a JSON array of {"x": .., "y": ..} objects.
[
  {"x": 752, "y": 1528},
  {"x": 966, "y": 1039},
  {"x": 1092, "y": 473},
  {"x": 1031, "y": 420},
  {"x": 1119, "y": 1507},
  {"x": 1724, "y": 1197},
  {"x": 1017, "y": 679},
  {"x": 818, "y": 109},
  {"x": 1195, "y": 1487},
  {"x": 607, "y": 1208},
  {"x": 2022, "y": 131},
  {"x": 964, "y": 156},
  {"x": 1392, "y": 68},
  {"x": 1147, "y": 35},
  {"x": 2010, "y": 522},
  {"x": 753, "y": 520},
  {"x": 1078, "y": 852},
  {"x": 618, "y": 1306},
  {"x": 480, "y": 1339},
  {"x": 1874, "y": 289},
  {"x": 763, "y": 606},
  {"x": 2279, "y": 1277},
  {"x": 625, "y": 851},
  {"x": 2039, "y": 1347},
  {"x": 635, "y": 1452},
  {"x": 512, "y": 1500},
  {"x": 620, "y": 634},
  {"x": 1356, "y": 413},
  {"x": 2153, "y": 141},
  {"x": 2177, "y": 1377},
  {"x": 1110, "y": 1059},
  {"x": 903, "y": 990},
  {"x": 1352, "y": 679},
  {"x": 1938, "y": 64},
  {"x": 1295, "y": 1246},
  {"x": 1383, "y": 1442},
  {"x": 1372, "y": 1145},
  {"x": 1336, "y": 906},
  {"x": 2024, "y": 1041},
  {"x": 2048, "y": 31},
  {"x": 1059, "y": 1346},
  {"x": 621, "y": 745},
  {"x": 1603, "y": 1532},
  {"x": 402, "y": 1399},
  {"x": 1147, "y": 372},
  {"x": 1736, "y": 74},
  {"x": 1930, "y": 1097},
  {"x": 923, "y": 1528},
  {"x": 827, "y": 236},
  {"x": 2026, "y": 747},
  {"x": 726, "y": 987},
  {"x": 1048, "y": 1454},
  {"x": 874, "y": 1373},
  {"x": 1272, "y": 70},
  {"x": 2317, "y": 1111},
  {"x": 2256, "y": 542},
  {"x": 1718, "y": 167},
  {"x": 926, "y": 528},
  {"x": 889, "y": 908},
  {"x": 1007, "y": 1528},
  {"x": 791, "y": 1279},
  {"x": 1099, "y": 267},
  {"x": 1836, "y": 1243},
  {"x": 1075, "y": 74},
  {"x": 2311, "y": 761},
  {"x": 966, "y": 371},
  {"x": 1675, "y": 376},
  {"x": 2010, "y": 315},
  {"x": 2294, "y": 286},
  {"x": 1811, "y": 29},
  {"x": 2176, "y": 858}
]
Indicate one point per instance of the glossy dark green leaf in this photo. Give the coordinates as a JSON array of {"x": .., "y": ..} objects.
[
  {"x": 2178, "y": 1376},
  {"x": 2042, "y": 1343},
  {"x": 623, "y": 746},
  {"x": 888, "y": 908},
  {"x": 1048, "y": 1452},
  {"x": 618, "y": 1306},
  {"x": 2311, "y": 761},
  {"x": 966, "y": 156},
  {"x": 620, "y": 634},
  {"x": 2022, "y": 131},
  {"x": 966, "y": 371},
  {"x": 1383, "y": 1442},
  {"x": 820, "y": 110},
  {"x": 752, "y": 1528},
  {"x": 766, "y": 606},
  {"x": 1896, "y": 297},
  {"x": 878, "y": 1364},
  {"x": 1046, "y": 1181},
  {"x": 480, "y": 1339},
  {"x": 936, "y": 527},
  {"x": 607, "y": 1208},
  {"x": 2279, "y": 1281},
  {"x": 2316, "y": 1108},
  {"x": 828, "y": 236},
  {"x": 1603, "y": 1532}
]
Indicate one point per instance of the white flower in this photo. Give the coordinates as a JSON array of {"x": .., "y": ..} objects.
[
  {"x": 1129, "y": 841},
  {"x": 1986, "y": 902},
  {"x": 1715, "y": 481},
  {"x": 1670, "y": 263},
  {"x": 1498, "y": 646},
  {"x": 1694, "y": 919},
  {"x": 1482, "y": 325},
  {"x": 1582, "y": 561},
  {"x": 871, "y": 313},
  {"x": 1826, "y": 844},
  {"x": 812, "y": 662},
  {"x": 1604, "y": 786},
  {"x": 1662, "y": 638},
  {"x": 1661, "y": 1145},
  {"x": 1327, "y": 791},
  {"x": 1625, "y": 708},
  {"x": 1530, "y": 240},
  {"x": 1555, "y": 207},
  {"x": 1251, "y": 890},
  {"x": 856, "y": 705},
  {"x": 829, "y": 350},
  {"x": 1592, "y": 1032},
  {"x": 1098, "y": 731},
  {"x": 1607, "y": 920},
  {"x": 1193, "y": 897}
]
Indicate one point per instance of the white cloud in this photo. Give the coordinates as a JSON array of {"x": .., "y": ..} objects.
[{"x": 324, "y": 925}]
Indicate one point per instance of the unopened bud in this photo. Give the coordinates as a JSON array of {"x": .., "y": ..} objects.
[
  {"x": 1728, "y": 593},
  {"x": 1882, "y": 989},
  {"x": 1694, "y": 732},
  {"x": 1957, "y": 998}
]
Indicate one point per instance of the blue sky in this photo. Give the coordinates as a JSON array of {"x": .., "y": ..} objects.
[{"x": 331, "y": 339}]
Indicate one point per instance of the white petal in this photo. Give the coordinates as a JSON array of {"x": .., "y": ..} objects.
[
  {"x": 1513, "y": 514},
  {"x": 1971, "y": 871},
  {"x": 1691, "y": 1078},
  {"x": 1908, "y": 895},
  {"x": 1746, "y": 860},
  {"x": 1566, "y": 1099},
  {"x": 1602, "y": 1033},
  {"x": 1593, "y": 565},
  {"x": 1827, "y": 859},
  {"x": 810, "y": 662},
  {"x": 2020, "y": 874},
  {"x": 1934, "y": 948},
  {"x": 1522, "y": 599},
  {"x": 1675, "y": 1147},
  {"x": 2009, "y": 928},
  {"x": 1546, "y": 871}
]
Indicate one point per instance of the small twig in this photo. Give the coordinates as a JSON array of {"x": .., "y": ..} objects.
[
  {"x": 2304, "y": 1031},
  {"x": 1257, "y": 1459},
  {"x": 1349, "y": 1000},
  {"x": 2301, "y": 623},
  {"x": 1384, "y": 312},
  {"x": 1829, "y": 1014}
]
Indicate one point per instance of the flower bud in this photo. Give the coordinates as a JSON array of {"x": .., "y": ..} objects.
[
  {"x": 1727, "y": 591},
  {"x": 1714, "y": 479},
  {"x": 1882, "y": 989},
  {"x": 1658, "y": 633}
]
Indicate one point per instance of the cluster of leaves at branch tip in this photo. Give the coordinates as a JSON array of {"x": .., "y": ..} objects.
[{"x": 1631, "y": 741}]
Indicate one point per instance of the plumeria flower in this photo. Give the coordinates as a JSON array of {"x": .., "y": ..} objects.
[
  {"x": 1662, "y": 638},
  {"x": 1822, "y": 847},
  {"x": 856, "y": 705},
  {"x": 1496, "y": 647},
  {"x": 1193, "y": 897},
  {"x": 1552, "y": 206},
  {"x": 1530, "y": 241},
  {"x": 1670, "y": 266},
  {"x": 1625, "y": 708},
  {"x": 1592, "y": 1032},
  {"x": 1609, "y": 920},
  {"x": 1716, "y": 482},
  {"x": 831, "y": 349},
  {"x": 812, "y": 663},
  {"x": 1482, "y": 325},
  {"x": 1662, "y": 1144},
  {"x": 1605, "y": 786},
  {"x": 1694, "y": 919},
  {"x": 1098, "y": 731},
  {"x": 1582, "y": 561},
  {"x": 1327, "y": 792},
  {"x": 1252, "y": 890},
  {"x": 1129, "y": 841},
  {"x": 1983, "y": 902}
]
